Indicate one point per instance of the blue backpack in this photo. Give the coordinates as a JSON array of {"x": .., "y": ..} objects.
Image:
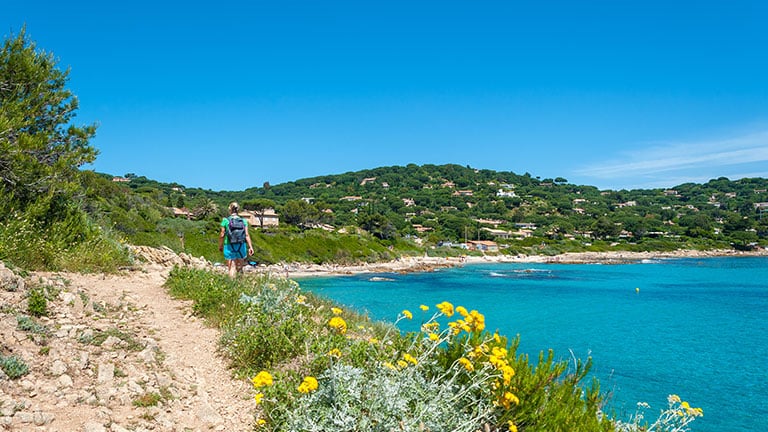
[{"x": 235, "y": 230}]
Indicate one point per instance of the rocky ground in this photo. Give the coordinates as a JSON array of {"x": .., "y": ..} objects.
[{"x": 115, "y": 353}]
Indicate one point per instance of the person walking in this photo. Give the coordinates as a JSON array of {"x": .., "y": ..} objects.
[{"x": 234, "y": 240}]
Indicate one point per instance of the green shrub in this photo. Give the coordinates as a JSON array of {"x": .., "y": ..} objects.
[
  {"x": 37, "y": 303},
  {"x": 13, "y": 366}
]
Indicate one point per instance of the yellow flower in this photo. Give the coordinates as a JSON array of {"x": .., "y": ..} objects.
[
  {"x": 337, "y": 323},
  {"x": 402, "y": 364},
  {"x": 446, "y": 308},
  {"x": 496, "y": 337},
  {"x": 258, "y": 397},
  {"x": 410, "y": 359},
  {"x": 499, "y": 352},
  {"x": 673, "y": 398},
  {"x": 262, "y": 379},
  {"x": 334, "y": 353},
  {"x": 512, "y": 427},
  {"x": 508, "y": 399},
  {"x": 467, "y": 364},
  {"x": 406, "y": 313},
  {"x": 308, "y": 385},
  {"x": 461, "y": 310},
  {"x": 434, "y": 337},
  {"x": 373, "y": 341},
  {"x": 336, "y": 311},
  {"x": 430, "y": 327},
  {"x": 685, "y": 405},
  {"x": 424, "y": 308},
  {"x": 476, "y": 320},
  {"x": 389, "y": 365},
  {"x": 301, "y": 298},
  {"x": 507, "y": 373},
  {"x": 261, "y": 422}
]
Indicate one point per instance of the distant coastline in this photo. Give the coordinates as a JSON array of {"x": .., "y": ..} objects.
[{"x": 426, "y": 263}]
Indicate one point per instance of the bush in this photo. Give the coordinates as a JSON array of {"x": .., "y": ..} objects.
[
  {"x": 37, "y": 303},
  {"x": 14, "y": 367}
]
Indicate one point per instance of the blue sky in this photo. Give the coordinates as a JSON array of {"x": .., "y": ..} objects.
[{"x": 229, "y": 95}]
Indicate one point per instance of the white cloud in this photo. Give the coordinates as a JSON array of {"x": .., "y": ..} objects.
[{"x": 668, "y": 163}]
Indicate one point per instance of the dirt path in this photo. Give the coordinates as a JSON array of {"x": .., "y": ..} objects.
[{"x": 119, "y": 354}]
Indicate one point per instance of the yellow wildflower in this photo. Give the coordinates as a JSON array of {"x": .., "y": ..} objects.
[
  {"x": 402, "y": 364},
  {"x": 410, "y": 359},
  {"x": 467, "y": 364},
  {"x": 446, "y": 308},
  {"x": 673, "y": 398},
  {"x": 476, "y": 320},
  {"x": 258, "y": 397},
  {"x": 337, "y": 323},
  {"x": 406, "y": 313},
  {"x": 336, "y": 311},
  {"x": 461, "y": 310},
  {"x": 424, "y": 308},
  {"x": 496, "y": 337},
  {"x": 512, "y": 427},
  {"x": 261, "y": 422},
  {"x": 507, "y": 373},
  {"x": 508, "y": 399},
  {"x": 434, "y": 337},
  {"x": 685, "y": 405},
  {"x": 301, "y": 298},
  {"x": 262, "y": 379},
  {"x": 334, "y": 353},
  {"x": 373, "y": 341},
  {"x": 308, "y": 385},
  {"x": 499, "y": 352}
]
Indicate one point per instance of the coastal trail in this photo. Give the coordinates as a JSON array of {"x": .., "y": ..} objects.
[{"x": 120, "y": 355}]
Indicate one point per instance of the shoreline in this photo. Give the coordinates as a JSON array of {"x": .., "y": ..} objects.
[{"x": 427, "y": 264}]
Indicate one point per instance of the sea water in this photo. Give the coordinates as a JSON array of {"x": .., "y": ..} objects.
[{"x": 693, "y": 327}]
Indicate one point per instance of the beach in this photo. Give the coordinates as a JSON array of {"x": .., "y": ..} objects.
[{"x": 427, "y": 263}]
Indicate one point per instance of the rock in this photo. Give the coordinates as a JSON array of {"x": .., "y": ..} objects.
[
  {"x": 94, "y": 427},
  {"x": 23, "y": 417},
  {"x": 58, "y": 368},
  {"x": 147, "y": 355},
  {"x": 111, "y": 341},
  {"x": 83, "y": 363},
  {"x": 106, "y": 373},
  {"x": 41, "y": 419},
  {"x": 9, "y": 281},
  {"x": 65, "y": 381},
  {"x": 206, "y": 413},
  {"x": 67, "y": 297},
  {"x": 114, "y": 427}
]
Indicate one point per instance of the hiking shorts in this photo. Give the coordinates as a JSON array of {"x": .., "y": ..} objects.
[{"x": 235, "y": 251}]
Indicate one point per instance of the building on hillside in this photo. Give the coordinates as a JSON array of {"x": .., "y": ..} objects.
[
  {"x": 271, "y": 218},
  {"x": 498, "y": 233},
  {"x": 120, "y": 179},
  {"x": 483, "y": 245},
  {"x": 367, "y": 180},
  {"x": 181, "y": 212},
  {"x": 350, "y": 198}
]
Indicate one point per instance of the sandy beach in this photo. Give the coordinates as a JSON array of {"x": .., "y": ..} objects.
[{"x": 426, "y": 263}]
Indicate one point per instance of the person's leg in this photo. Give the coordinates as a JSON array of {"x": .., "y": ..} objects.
[{"x": 232, "y": 268}]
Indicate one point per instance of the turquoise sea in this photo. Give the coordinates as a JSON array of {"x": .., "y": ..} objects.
[{"x": 696, "y": 327}]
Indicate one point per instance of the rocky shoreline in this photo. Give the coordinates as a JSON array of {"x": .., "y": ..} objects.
[{"x": 423, "y": 264}]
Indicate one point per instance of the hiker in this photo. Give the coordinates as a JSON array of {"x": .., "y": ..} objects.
[{"x": 234, "y": 240}]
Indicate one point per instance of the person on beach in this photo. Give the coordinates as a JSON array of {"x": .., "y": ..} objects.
[{"x": 234, "y": 240}]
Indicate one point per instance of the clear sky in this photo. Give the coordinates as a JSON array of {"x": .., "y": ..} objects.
[{"x": 231, "y": 94}]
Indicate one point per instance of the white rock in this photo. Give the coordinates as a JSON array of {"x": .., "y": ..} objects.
[
  {"x": 58, "y": 368},
  {"x": 106, "y": 373},
  {"x": 41, "y": 418},
  {"x": 94, "y": 427},
  {"x": 111, "y": 341},
  {"x": 65, "y": 381}
]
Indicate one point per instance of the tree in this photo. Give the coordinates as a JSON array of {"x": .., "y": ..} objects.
[
  {"x": 40, "y": 149},
  {"x": 300, "y": 213},
  {"x": 378, "y": 225},
  {"x": 259, "y": 207}
]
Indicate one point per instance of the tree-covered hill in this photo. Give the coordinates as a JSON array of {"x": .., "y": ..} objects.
[{"x": 453, "y": 203}]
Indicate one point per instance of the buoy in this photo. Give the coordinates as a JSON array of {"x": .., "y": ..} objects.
[{"x": 637, "y": 290}]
